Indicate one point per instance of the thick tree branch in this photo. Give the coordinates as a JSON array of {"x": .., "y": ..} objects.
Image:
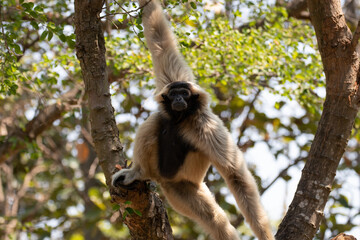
[
  {"x": 298, "y": 9},
  {"x": 15, "y": 141},
  {"x": 295, "y": 8},
  {"x": 90, "y": 48},
  {"x": 356, "y": 36},
  {"x": 341, "y": 67}
]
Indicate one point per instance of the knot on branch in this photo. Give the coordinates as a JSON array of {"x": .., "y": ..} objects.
[{"x": 343, "y": 236}]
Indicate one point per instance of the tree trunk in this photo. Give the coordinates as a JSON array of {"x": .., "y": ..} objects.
[
  {"x": 90, "y": 50},
  {"x": 341, "y": 67}
]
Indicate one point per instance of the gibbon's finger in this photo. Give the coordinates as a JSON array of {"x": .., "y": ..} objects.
[
  {"x": 130, "y": 165},
  {"x": 125, "y": 163}
]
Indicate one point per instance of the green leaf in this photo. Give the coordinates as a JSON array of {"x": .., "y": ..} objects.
[
  {"x": 77, "y": 236},
  {"x": 34, "y": 25},
  {"x": 50, "y": 35},
  {"x": 193, "y": 5},
  {"x": 62, "y": 37},
  {"x": 43, "y": 35},
  {"x": 51, "y": 25},
  {"x": 343, "y": 200},
  {"x": 28, "y": 6},
  {"x": 137, "y": 212},
  {"x": 129, "y": 210},
  {"x": 17, "y": 49},
  {"x": 116, "y": 207},
  {"x": 139, "y": 27},
  {"x": 191, "y": 23},
  {"x": 12, "y": 89},
  {"x": 33, "y": 14},
  {"x": 70, "y": 42},
  {"x": 39, "y": 8},
  {"x": 141, "y": 35}
]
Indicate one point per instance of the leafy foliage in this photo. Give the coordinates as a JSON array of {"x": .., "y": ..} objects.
[{"x": 265, "y": 79}]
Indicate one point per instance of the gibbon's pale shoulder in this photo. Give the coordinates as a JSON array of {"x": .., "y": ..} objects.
[{"x": 176, "y": 145}]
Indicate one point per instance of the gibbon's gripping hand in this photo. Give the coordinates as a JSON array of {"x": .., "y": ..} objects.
[{"x": 125, "y": 178}]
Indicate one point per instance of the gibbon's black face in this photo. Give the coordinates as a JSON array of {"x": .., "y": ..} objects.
[
  {"x": 180, "y": 101},
  {"x": 179, "y": 98}
]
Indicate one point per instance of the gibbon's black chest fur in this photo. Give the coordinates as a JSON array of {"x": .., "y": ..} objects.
[{"x": 172, "y": 148}]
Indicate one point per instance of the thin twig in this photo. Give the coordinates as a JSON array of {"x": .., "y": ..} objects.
[
  {"x": 281, "y": 174},
  {"x": 92, "y": 169},
  {"x": 87, "y": 136},
  {"x": 251, "y": 107},
  {"x": 356, "y": 37},
  {"x": 2, "y": 196},
  {"x": 125, "y": 11},
  {"x": 28, "y": 177}
]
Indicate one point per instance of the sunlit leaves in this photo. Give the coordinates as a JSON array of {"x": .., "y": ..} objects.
[
  {"x": 257, "y": 77},
  {"x": 17, "y": 35}
]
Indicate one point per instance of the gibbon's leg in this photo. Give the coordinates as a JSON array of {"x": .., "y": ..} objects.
[
  {"x": 243, "y": 186},
  {"x": 169, "y": 64},
  {"x": 196, "y": 202}
]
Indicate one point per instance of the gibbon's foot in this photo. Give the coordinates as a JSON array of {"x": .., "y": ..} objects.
[{"x": 124, "y": 177}]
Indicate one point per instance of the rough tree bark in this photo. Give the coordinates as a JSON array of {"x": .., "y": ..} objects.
[
  {"x": 299, "y": 9},
  {"x": 90, "y": 50},
  {"x": 337, "y": 47}
]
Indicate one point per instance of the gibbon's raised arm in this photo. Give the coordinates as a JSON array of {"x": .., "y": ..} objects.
[{"x": 169, "y": 64}]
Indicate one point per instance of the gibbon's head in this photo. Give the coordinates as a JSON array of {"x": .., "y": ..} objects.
[{"x": 182, "y": 99}]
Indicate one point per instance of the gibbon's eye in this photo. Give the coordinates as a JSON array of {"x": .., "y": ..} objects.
[
  {"x": 172, "y": 94},
  {"x": 185, "y": 93}
]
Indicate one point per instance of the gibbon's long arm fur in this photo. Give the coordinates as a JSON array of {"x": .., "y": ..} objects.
[
  {"x": 176, "y": 145},
  {"x": 169, "y": 64}
]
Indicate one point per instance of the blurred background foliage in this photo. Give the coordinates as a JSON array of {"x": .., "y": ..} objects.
[{"x": 260, "y": 65}]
